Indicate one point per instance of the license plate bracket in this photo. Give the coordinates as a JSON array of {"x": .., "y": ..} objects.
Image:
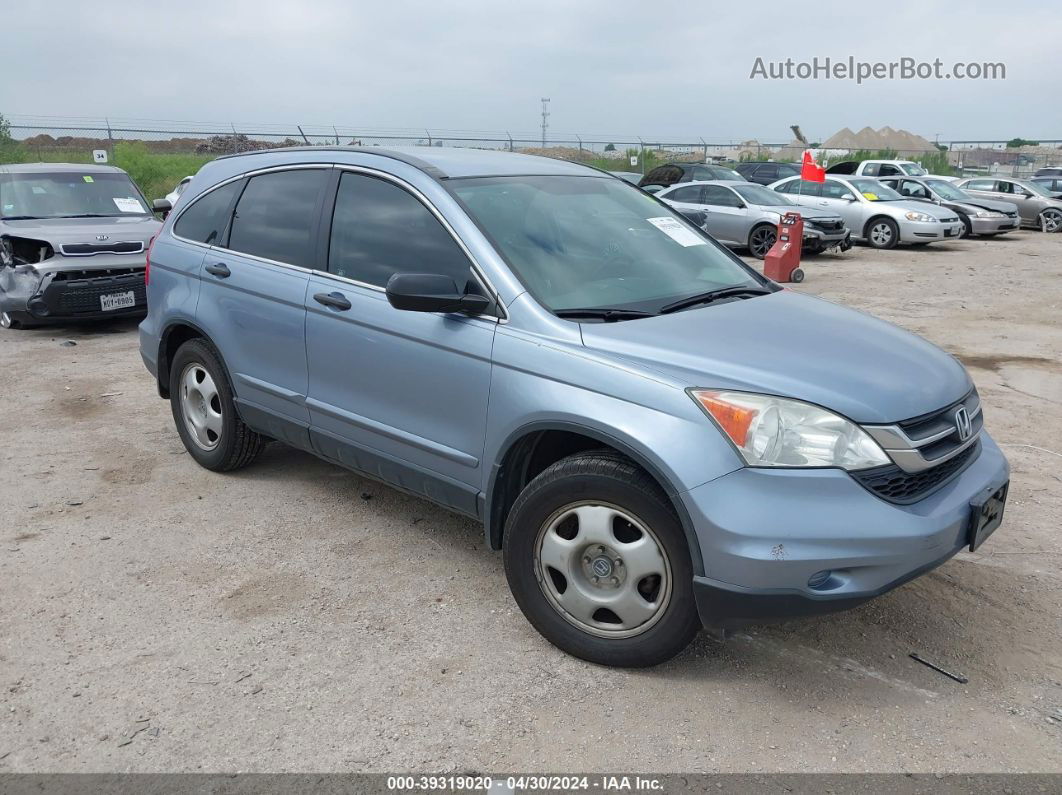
[
  {"x": 986, "y": 514},
  {"x": 113, "y": 301}
]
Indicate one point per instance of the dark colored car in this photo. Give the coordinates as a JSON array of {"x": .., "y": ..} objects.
[
  {"x": 1049, "y": 171},
  {"x": 672, "y": 173},
  {"x": 1053, "y": 184},
  {"x": 765, "y": 173}
]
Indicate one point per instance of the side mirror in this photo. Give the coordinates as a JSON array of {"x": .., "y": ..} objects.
[
  {"x": 162, "y": 207},
  {"x": 430, "y": 292},
  {"x": 848, "y": 197}
]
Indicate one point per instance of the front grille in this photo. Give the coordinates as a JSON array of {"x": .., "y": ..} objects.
[
  {"x": 88, "y": 249},
  {"x": 824, "y": 225},
  {"x": 97, "y": 274},
  {"x": 893, "y": 484},
  {"x": 949, "y": 220}
]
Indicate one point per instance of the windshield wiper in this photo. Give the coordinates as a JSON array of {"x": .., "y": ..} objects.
[
  {"x": 603, "y": 313},
  {"x": 87, "y": 215},
  {"x": 19, "y": 218},
  {"x": 710, "y": 296}
]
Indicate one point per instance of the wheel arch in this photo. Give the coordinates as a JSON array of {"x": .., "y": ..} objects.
[
  {"x": 172, "y": 338},
  {"x": 879, "y": 217},
  {"x": 533, "y": 447}
]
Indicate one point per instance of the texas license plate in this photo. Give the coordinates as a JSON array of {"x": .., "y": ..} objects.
[
  {"x": 986, "y": 514},
  {"x": 126, "y": 300}
]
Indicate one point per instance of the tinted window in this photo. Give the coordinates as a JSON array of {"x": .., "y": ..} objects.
[
  {"x": 663, "y": 175},
  {"x": 787, "y": 171},
  {"x": 379, "y": 229},
  {"x": 700, "y": 172},
  {"x": 276, "y": 216},
  {"x": 720, "y": 196},
  {"x": 888, "y": 170},
  {"x": 205, "y": 220},
  {"x": 798, "y": 187},
  {"x": 689, "y": 194},
  {"x": 767, "y": 171}
]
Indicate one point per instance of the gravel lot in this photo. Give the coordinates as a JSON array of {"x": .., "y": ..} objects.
[{"x": 292, "y": 616}]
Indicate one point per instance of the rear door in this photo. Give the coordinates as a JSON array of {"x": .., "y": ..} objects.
[
  {"x": 253, "y": 294},
  {"x": 401, "y": 395},
  {"x": 1028, "y": 206},
  {"x": 839, "y": 198}
]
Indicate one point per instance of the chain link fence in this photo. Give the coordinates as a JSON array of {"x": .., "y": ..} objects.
[{"x": 158, "y": 154}]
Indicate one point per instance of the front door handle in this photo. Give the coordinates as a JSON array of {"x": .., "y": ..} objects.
[
  {"x": 219, "y": 269},
  {"x": 334, "y": 300}
]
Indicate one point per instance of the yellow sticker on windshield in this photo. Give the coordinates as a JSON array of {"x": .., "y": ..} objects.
[
  {"x": 87, "y": 178},
  {"x": 871, "y": 196}
]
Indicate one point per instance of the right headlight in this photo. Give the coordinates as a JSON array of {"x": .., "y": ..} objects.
[
  {"x": 771, "y": 431},
  {"x": 922, "y": 217}
]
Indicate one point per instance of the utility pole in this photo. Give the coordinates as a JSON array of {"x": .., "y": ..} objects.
[{"x": 545, "y": 119}]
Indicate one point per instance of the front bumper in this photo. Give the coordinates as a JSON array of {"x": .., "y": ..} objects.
[
  {"x": 818, "y": 238},
  {"x": 925, "y": 232},
  {"x": 991, "y": 226},
  {"x": 71, "y": 296},
  {"x": 764, "y": 534}
]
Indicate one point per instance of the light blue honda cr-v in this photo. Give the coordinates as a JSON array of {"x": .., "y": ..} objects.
[{"x": 656, "y": 436}]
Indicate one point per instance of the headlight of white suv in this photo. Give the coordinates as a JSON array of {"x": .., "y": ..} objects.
[
  {"x": 913, "y": 216},
  {"x": 777, "y": 432}
]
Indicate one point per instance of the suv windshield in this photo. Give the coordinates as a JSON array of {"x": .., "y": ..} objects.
[
  {"x": 69, "y": 194},
  {"x": 596, "y": 243},
  {"x": 760, "y": 196},
  {"x": 875, "y": 191}
]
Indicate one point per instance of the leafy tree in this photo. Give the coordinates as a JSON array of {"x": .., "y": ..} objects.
[
  {"x": 1015, "y": 143},
  {"x": 610, "y": 147},
  {"x": 5, "y": 130}
]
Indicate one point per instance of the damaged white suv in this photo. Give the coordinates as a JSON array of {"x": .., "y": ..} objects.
[{"x": 73, "y": 243}]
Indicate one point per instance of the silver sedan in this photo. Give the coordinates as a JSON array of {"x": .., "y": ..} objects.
[{"x": 746, "y": 215}]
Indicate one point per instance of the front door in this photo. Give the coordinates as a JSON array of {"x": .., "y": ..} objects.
[{"x": 399, "y": 395}]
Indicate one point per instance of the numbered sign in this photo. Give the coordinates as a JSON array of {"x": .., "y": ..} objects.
[{"x": 99, "y": 155}]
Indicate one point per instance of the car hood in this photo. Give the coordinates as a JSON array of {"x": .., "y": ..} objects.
[
  {"x": 797, "y": 346},
  {"x": 84, "y": 230},
  {"x": 988, "y": 204},
  {"x": 929, "y": 208},
  {"x": 805, "y": 212}
]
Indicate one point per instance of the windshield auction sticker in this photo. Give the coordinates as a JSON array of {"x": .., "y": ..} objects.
[{"x": 677, "y": 232}]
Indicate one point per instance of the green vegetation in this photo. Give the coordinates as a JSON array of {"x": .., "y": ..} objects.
[
  {"x": 648, "y": 159},
  {"x": 1015, "y": 143},
  {"x": 156, "y": 173}
]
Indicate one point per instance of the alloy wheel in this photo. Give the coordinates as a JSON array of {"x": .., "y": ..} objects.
[
  {"x": 1051, "y": 220},
  {"x": 762, "y": 240},
  {"x": 881, "y": 234},
  {"x": 201, "y": 406},
  {"x": 603, "y": 569}
]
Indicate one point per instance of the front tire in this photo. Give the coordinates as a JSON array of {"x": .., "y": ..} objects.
[
  {"x": 201, "y": 400},
  {"x": 761, "y": 240},
  {"x": 1051, "y": 221},
  {"x": 598, "y": 562},
  {"x": 883, "y": 233}
]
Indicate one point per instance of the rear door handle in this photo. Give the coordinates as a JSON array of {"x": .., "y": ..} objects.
[
  {"x": 334, "y": 300},
  {"x": 220, "y": 269}
]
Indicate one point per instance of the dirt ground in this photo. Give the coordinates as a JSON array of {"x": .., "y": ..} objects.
[{"x": 155, "y": 616}]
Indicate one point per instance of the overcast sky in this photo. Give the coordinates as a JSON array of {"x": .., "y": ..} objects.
[{"x": 655, "y": 70}]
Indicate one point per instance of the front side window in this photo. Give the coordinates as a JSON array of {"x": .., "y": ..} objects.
[
  {"x": 592, "y": 242},
  {"x": 875, "y": 191},
  {"x": 380, "y": 229},
  {"x": 205, "y": 220},
  {"x": 70, "y": 194},
  {"x": 276, "y": 216},
  {"x": 834, "y": 190},
  {"x": 801, "y": 187},
  {"x": 981, "y": 184}
]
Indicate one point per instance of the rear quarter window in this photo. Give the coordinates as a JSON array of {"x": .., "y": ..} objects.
[{"x": 204, "y": 221}]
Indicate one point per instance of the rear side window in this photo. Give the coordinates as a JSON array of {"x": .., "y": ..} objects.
[
  {"x": 379, "y": 229},
  {"x": 787, "y": 171},
  {"x": 690, "y": 194},
  {"x": 981, "y": 184},
  {"x": 205, "y": 220},
  {"x": 277, "y": 215},
  {"x": 767, "y": 171}
]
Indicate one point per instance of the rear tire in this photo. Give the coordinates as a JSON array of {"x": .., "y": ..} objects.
[
  {"x": 882, "y": 233},
  {"x": 201, "y": 400},
  {"x": 598, "y": 562},
  {"x": 6, "y": 321}
]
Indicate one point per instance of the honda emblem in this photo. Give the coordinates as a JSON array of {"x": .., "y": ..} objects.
[{"x": 963, "y": 424}]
